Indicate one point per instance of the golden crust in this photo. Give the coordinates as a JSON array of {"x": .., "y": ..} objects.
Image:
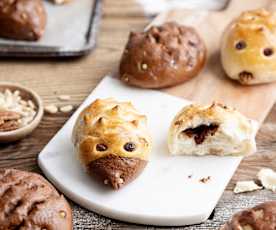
[
  {"x": 112, "y": 124},
  {"x": 257, "y": 31}
]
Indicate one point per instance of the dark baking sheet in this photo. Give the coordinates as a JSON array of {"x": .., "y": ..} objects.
[{"x": 51, "y": 48}]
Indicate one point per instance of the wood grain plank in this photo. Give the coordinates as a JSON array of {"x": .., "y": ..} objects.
[{"x": 212, "y": 84}]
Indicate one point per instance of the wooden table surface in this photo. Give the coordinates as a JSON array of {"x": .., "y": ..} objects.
[{"x": 78, "y": 77}]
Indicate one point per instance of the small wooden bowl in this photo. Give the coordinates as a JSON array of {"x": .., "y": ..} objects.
[{"x": 26, "y": 94}]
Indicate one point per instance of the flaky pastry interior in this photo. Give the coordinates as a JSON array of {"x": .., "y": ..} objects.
[{"x": 214, "y": 130}]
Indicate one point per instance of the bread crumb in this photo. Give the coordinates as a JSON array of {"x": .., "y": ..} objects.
[
  {"x": 246, "y": 186},
  {"x": 51, "y": 109},
  {"x": 66, "y": 108},
  {"x": 205, "y": 179}
]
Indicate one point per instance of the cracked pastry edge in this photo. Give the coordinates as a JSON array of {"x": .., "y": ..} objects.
[{"x": 235, "y": 135}]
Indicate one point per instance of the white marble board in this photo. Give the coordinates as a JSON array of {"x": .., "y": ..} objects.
[{"x": 163, "y": 194}]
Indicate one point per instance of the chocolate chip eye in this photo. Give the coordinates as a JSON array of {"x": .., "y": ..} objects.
[
  {"x": 240, "y": 45},
  {"x": 268, "y": 52},
  {"x": 101, "y": 147},
  {"x": 129, "y": 146}
]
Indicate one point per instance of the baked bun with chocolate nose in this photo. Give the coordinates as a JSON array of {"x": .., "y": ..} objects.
[
  {"x": 211, "y": 130},
  {"x": 260, "y": 217},
  {"x": 248, "y": 49},
  {"x": 162, "y": 56},
  {"x": 112, "y": 141},
  {"x": 22, "y": 19}
]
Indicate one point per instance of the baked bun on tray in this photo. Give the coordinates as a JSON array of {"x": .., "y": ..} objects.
[
  {"x": 22, "y": 19},
  {"x": 162, "y": 56},
  {"x": 112, "y": 141},
  {"x": 214, "y": 129}
]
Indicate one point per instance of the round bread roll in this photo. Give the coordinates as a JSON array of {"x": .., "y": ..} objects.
[
  {"x": 28, "y": 201},
  {"x": 162, "y": 56},
  {"x": 214, "y": 129},
  {"x": 112, "y": 141},
  {"x": 22, "y": 19},
  {"x": 248, "y": 48},
  {"x": 260, "y": 217}
]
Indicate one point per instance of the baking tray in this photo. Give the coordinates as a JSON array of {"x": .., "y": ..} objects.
[{"x": 71, "y": 31}]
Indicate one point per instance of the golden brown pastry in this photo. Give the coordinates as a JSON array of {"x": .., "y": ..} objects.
[
  {"x": 162, "y": 56},
  {"x": 260, "y": 217},
  {"x": 112, "y": 141},
  {"x": 22, "y": 19},
  {"x": 248, "y": 47},
  {"x": 214, "y": 129},
  {"x": 29, "y": 202}
]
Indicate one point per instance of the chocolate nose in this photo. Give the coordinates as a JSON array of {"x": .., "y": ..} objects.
[
  {"x": 245, "y": 77},
  {"x": 116, "y": 171}
]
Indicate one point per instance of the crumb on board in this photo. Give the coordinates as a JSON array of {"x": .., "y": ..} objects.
[{"x": 204, "y": 180}]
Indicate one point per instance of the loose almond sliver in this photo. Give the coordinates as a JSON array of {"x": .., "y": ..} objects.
[
  {"x": 51, "y": 109},
  {"x": 66, "y": 108},
  {"x": 246, "y": 186}
]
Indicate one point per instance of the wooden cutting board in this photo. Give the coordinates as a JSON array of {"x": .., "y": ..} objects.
[{"x": 212, "y": 84}]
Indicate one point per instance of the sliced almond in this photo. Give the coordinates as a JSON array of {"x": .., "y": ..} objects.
[
  {"x": 64, "y": 97},
  {"x": 66, "y": 108},
  {"x": 51, "y": 109}
]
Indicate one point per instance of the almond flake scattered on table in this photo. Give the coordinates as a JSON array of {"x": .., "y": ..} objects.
[
  {"x": 246, "y": 186},
  {"x": 64, "y": 97},
  {"x": 66, "y": 108},
  {"x": 268, "y": 178},
  {"x": 51, "y": 109}
]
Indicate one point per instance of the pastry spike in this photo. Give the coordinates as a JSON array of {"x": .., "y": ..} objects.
[
  {"x": 142, "y": 117},
  {"x": 101, "y": 121},
  {"x": 135, "y": 123},
  {"x": 86, "y": 118},
  {"x": 116, "y": 108}
]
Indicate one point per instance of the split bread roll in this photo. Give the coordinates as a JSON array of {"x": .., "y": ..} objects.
[
  {"x": 248, "y": 47},
  {"x": 112, "y": 141},
  {"x": 214, "y": 129}
]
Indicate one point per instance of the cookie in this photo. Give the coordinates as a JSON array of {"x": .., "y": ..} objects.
[
  {"x": 28, "y": 201},
  {"x": 162, "y": 56}
]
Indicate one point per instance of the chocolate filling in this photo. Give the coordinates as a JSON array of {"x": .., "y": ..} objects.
[
  {"x": 245, "y": 76},
  {"x": 199, "y": 133}
]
